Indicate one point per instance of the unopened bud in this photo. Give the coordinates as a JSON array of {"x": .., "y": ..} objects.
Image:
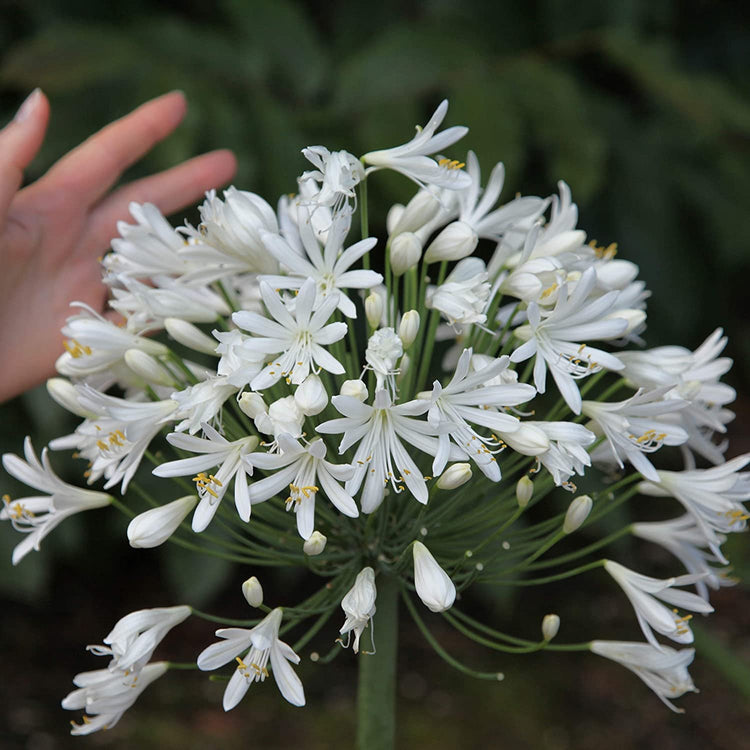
[
  {"x": 550, "y": 626},
  {"x": 354, "y": 388},
  {"x": 406, "y": 250},
  {"x": 409, "y": 327},
  {"x": 190, "y": 335},
  {"x": 65, "y": 394},
  {"x": 403, "y": 367},
  {"x": 454, "y": 476},
  {"x": 374, "y": 309},
  {"x": 524, "y": 491},
  {"x": 252, "y": 404},
  {"x": 146, "y": 367},
  {"x": 527, "y": 439},
  {"x": 315, "y": 544},
  {"x": 253, "y": 592},
  {"x": 455, "y": 242},
  {"x": 420, "y": 210},
  {"x": 155, "y": 526},
  {"x": 634, "y": 318},
  {"x": 395, "y": 212},
  {"x": 434, "y": 586},
  {"x": 311, "y": 397},
  {"x": 578, "y": 512}
]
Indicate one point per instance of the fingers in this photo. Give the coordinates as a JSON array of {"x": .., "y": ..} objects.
[
  {"x": 20, "y": 141},
  {"x": 170, "y": 191},
  {"x": 93, "y": 167}
]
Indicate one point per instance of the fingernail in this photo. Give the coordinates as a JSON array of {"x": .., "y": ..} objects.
[{"x": 29, "y": 105}]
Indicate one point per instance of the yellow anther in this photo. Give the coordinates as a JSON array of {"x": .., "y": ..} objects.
[
  {"x": 75, "y": 348},
  {"x": 549, "y": 291}
]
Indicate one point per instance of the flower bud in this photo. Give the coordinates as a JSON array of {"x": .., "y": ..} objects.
[
  {"x": 409, "y": 327},
  {"x": 527, "y": 439},
  {"x": 395, "y": 212},
  {"x": 311, "y": 397},
  {"x": 524, "y": 491},
  {"x": 403, "y": 368},
  {"x": 285, "y": 416},
  {"x": 315, "y": 544},
  {"x": 550, "y": 626},
  {"x": 155, "y": 526},
  {"x": 434, "y": 587},
  {"x": 406, "y": 250},
  {"x": 454, "y": 476},
  {"x": 374, "y": 309},
  {"x": 146, "y": 367},
  {"x": 190, "y": 335},
  {"x": 253, "y": 592},
  {"x": 354, "y": 388},
  {"x": 252, "y": 404},
  {"x": 456, "y": 241},
  {"x": 633, "y": 317},
  {"x": 578, "y": 512},
  {"x": 420, "y": 210},
  {"x": 65, "y": 394}
]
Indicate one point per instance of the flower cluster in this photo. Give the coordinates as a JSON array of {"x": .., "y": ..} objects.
[{"x": 407, "y": 414}]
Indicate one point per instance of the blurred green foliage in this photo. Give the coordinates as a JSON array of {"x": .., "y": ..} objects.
[{"x": 642, "y": 107}]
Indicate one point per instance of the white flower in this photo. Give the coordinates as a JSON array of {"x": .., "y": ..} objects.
[
  {"x": 134, "y": 638},
  {"x": 635, "y": 426},
  {"x": 329, "y": 268},
  {"x": 282, "y": 416},
  {"x": 464, "y": 295},
  {"x": 106, "y": 695},
  {"x": 712, "y": 496},
  {"x": 566, "y": 454},
  {"x": 663, "y": 669},
  {"x": 239, "y": 363},
  {"x": 466, "y": 399},
  {"x": 434, "y": 587},
  {"x": 338, "y": 171},
  {"x": 214, "y": 450},
  {"x": 384, "y": 348},
  {"x": 36, "y": 516},
  {"x": 94, "y": 344},
  {"x": 684, "y": 539},
  {"x": 153, "y": 527},
  {"x": 412, "y": 160},
  {"x": 377, "y": 428},
  {"x": 263, "y": 641},
  {"x": 359, "y": 606},
  {"x": 643, "y": 593},
  {"x": 198, "y": 404},
  {"x": 550, "y": 336},
  {"x": 302, "y": 468},
  {"x": 299, "y": 338}
]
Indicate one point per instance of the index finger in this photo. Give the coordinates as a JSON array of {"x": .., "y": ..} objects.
[{"x": 93, "y": 167}]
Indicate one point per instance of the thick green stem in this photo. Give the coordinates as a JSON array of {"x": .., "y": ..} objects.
[{"x": 376, "y": 695}]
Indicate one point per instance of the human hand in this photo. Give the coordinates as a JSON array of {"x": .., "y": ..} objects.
[{"x": 53, "y": 231}]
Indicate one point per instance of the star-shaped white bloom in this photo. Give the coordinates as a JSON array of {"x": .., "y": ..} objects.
[
  {"x": 304, "y": 469},
  {"x": 36, "y": 516},
  {"x": 214, "y": 450},
  {"x": 297, "y": 337},
  {"x": 329, "y": 269},
  {"x": 264, "y": 644}
]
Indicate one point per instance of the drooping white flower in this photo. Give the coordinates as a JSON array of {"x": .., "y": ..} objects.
[
  {"x": 550, "y": 337},
  {"x": 36, "y": 516},
  {"x": 635, "y": 427},
  {"x": 153, "y": 527},
  {"x": 106, "y": 695},
  {"x": 466, "y": 399},
  {"x": 329, "y": 268},
  {"x": 377, "y": 429},
  {"x": 433, "y": 585},
  {"x": 302, "y": 468},
  {"x": 134, "y": 638},
  {"x": 198, "y": 404},
  {"x": 663, "y": 669},
  {"x": 359, "y": 606},
  {"x": 412, "y": 159},
  {"x": 384, "y": 349},
  {"x": 644, "y": 593},
  {"x": 298, "y": 338},
  {"x": 566, "y": 454},
  {"x": 264, "y": 644},
  {"x": 464, "y": 295},
  {"x": 213, "y": 450},
  {"x": 685, "y": 540},
  {"x": 712, "y": 496},
  {"x": 339, "y": 173},
  {"x": 239, "y": 363}
]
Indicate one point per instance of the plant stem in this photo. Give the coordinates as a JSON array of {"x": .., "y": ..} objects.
[{"x": 376, "y": 694}]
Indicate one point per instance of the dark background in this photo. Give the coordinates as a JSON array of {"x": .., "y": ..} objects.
[{"x": 641, "y": 106}]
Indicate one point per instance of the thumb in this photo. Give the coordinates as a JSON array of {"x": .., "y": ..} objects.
[{"x": 20, "y": 141}]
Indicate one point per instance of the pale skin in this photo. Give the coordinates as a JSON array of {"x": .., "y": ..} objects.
[{"x": 54, "y": 231}]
